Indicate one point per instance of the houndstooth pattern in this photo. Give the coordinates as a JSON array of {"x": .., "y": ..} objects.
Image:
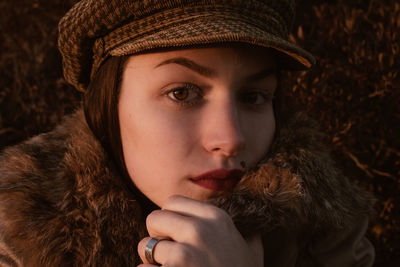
[{"x": 93, "y": 29}]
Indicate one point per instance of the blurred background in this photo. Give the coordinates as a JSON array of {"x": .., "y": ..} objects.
[{"x": 353, "y": 91}]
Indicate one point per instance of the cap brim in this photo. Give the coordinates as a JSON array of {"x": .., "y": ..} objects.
[{"x": 203, "y": 31}]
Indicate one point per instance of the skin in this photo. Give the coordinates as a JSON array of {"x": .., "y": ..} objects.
[{"x": 179, "y": 120}]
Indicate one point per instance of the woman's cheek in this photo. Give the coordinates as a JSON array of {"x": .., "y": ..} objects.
[
  {"x": 259, "y": 134},
  {"x": 165, "y": 142}
]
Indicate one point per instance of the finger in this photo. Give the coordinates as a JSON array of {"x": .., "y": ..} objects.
[
  {"x": 160, "y": 252},
  {"x": 192, "y": 207},
  {"x": 172, "y": 225}
]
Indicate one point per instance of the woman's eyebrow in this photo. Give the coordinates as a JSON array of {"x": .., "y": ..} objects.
[{"x": 190, "y": 64}]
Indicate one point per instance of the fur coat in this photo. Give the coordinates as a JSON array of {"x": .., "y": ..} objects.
[{"x": 62, "y": 203}]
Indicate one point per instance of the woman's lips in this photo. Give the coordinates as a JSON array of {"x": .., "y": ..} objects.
[{"x": 219, "y": 180}]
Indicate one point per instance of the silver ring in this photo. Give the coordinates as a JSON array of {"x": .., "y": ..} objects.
[{"x": 148, "y": 250}]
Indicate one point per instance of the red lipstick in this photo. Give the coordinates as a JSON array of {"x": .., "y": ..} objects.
[{"x": 219, "y": 180}]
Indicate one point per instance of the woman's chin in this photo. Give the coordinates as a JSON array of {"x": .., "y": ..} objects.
[{"x": 202, "y": 193}]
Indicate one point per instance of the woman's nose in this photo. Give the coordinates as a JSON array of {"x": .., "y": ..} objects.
[{"x": 223, "y": 131}]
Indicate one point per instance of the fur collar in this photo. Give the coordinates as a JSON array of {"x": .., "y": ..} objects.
[{"x": 63, "y": 202}]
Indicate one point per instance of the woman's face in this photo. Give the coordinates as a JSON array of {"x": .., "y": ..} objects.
[{"x": 187, "y": 112}]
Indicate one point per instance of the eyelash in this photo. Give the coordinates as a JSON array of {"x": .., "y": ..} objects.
[
  {"x": 189, "y": 87},
  {"x": 268, "y": 97}
]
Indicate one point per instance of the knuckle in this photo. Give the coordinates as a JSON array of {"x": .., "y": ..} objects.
[
  {"x": 194, "y": 231},
  {"x": 182, "y": 253},
  {"x": 152, "y": 217},
  {"x": 221, "y": 220},
  {"x": 219, "y": 214}
]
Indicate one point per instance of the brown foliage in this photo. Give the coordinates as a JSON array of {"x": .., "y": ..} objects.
[
  {"x": 33, "y": 95},
  {"x": 353, "y": 91}
]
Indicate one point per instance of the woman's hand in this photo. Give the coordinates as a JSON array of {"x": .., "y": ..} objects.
[{"x": 201, "y": 235}]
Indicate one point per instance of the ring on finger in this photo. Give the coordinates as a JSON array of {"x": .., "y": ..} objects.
[{"x": 149, "y": 249}]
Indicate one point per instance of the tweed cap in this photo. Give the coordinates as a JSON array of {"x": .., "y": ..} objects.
[{"x": 94, "y": 30}]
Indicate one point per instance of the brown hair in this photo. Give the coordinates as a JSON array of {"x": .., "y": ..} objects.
[{"x": 100, "y": 104}]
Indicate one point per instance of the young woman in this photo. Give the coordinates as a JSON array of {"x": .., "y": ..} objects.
[{"x": 182, "y": 154}]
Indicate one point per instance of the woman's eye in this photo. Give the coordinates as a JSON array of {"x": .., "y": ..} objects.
[
  {"x": 184, "y": 95},
  {"x": 180, "y": 94},
  {"x": 256, "y": 98}
]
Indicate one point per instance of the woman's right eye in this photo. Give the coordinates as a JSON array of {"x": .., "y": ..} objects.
[{"x": 185, "y": 95}]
